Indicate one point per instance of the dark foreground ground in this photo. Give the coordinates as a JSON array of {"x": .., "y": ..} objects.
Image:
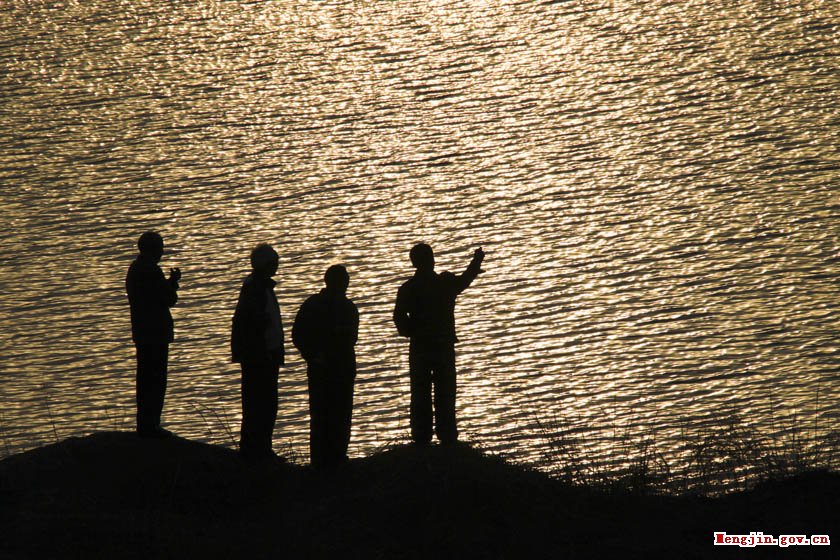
[{"x": 112, "y": 495}]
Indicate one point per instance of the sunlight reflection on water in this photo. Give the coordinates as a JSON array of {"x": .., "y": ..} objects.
[{"x": 655, "y": 185}]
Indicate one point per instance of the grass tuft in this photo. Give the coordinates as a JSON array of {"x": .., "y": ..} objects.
[{"x": 727, "y": 456}]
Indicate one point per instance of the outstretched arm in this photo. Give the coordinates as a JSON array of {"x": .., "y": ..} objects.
[{"x": 463, "y": 281}]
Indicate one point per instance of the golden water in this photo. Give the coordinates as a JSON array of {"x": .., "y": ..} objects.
[{"x": 656, "y": 185}]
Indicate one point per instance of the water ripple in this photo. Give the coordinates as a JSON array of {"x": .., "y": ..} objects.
[{"x": 655, "y": 184}]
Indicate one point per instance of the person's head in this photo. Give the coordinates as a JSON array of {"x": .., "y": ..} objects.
[
  {"x": 337, "y": 279},
  {"x": 422, "y": 257},
  {"x": 151, "y": 245},
  {"x": 264, "y": 260}
]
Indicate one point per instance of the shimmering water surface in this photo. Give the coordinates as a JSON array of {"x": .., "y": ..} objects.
[{"x": 656, "y": 184}]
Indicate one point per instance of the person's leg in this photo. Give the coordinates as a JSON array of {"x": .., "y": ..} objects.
[
  {"x": 332, "y": 415},
  {"x": 421, "y": 393},
  {"x": 259, "y": 409},
  {"x": 345, "y": 411},
  {"x": 267, "y": 410},
  {"x": 159, "y": 386},
  {"x": 249, "y": 405},
  {"x": 151, "y": 386},
  {"x": 317, "y": 416},
  {"x": 142, "y": 391},
  {"x": 446, "y": 426},
  {"x": 340, "y": 411}
]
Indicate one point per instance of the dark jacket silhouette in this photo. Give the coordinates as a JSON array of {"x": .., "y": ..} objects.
[
  {"x": 257, "y": 344},
  {"x": 425, "y": 313},
  {"x": 325, "y": 331},
  {"x": 252, "y": 320},
  {"x": 150, "y": 295},
  {"x": 425, "y": 306},
  {"x": 326, "y": 328}
]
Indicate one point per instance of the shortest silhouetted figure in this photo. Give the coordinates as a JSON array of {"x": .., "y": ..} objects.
[
  {"x": 257, "y": 345},
  {"x": 425, "y": 313},
  {"x": 150, "y": 295},
  {"x": 325, "y": 331}
]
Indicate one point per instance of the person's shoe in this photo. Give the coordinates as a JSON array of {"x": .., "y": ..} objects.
[
  {"x": 163, "y": 433},
  {"x": 154, "y": 433},
  {"x": 146, "y": 432},
  {"x": 279, "y": 459},
  {"x": 255, "y": 456}
]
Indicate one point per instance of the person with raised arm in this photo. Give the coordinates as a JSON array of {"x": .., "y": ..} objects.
[{"x": 425, "y": 314}]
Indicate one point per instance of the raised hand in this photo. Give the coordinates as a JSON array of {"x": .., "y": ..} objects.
[{"x": 478, "y": 258}]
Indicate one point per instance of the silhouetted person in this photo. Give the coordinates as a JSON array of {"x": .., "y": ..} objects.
[
  {"x": 150, "y": 295},
  {"x": 325, "y": 331},
  {"x": 257, "y": 345},
  {"x": 425, "y": 312}
]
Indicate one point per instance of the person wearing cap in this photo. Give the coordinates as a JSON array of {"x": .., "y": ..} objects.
[
  {"x": 150, "y": 295},
  {"x": 325, "y": 332},
  {"x": 425, "y": 314},
  {"x": 257, "y": 346}
]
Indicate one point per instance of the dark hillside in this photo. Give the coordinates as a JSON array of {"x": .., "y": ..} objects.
[{"x": 112, "y": 495}]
